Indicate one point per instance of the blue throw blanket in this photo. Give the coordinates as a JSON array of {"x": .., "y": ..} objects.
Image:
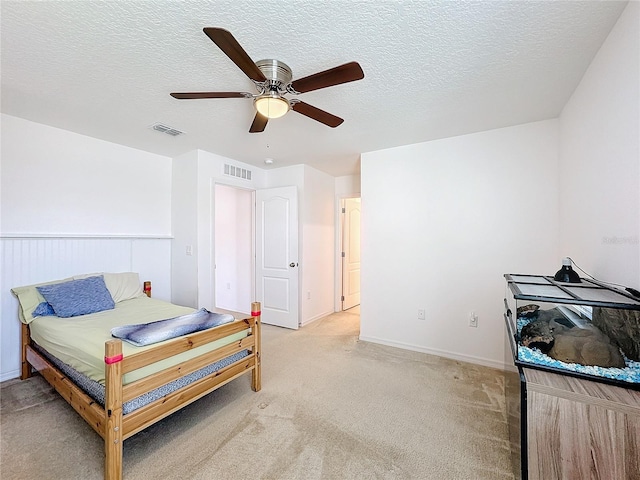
[{"x": 154, "y": 332}]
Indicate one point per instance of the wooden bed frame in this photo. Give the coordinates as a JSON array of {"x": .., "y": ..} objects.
[{"x": 109, "y": 422}]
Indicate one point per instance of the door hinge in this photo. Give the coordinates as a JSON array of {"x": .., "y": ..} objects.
[
  {"x": 344, "y": 210},
  {"x": 342, "y": 298},
  {"x": 343, "y": 255}
]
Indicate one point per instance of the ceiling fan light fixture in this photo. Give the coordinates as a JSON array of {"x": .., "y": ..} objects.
[{"x": 272, "y": 105}]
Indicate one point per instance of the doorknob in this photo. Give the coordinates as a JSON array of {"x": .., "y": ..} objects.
[{"x": 293, "y": 264}]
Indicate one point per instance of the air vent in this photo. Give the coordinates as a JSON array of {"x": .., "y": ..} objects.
[
  {"x": 238, "y": 172},
  {"x": 166, "y": 129}
]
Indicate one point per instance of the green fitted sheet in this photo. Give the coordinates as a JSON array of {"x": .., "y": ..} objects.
[{"x": 79, "y": 341}]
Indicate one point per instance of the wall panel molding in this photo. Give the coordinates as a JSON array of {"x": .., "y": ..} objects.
[
  {"x": 26, "y": 260},
  {"x": 76, "y": 235}
]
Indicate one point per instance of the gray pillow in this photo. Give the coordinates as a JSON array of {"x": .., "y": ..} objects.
[{"x": 78, "y": 297}]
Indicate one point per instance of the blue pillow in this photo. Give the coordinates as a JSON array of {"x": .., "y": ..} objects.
[
  {"x": 78, "y": 297},
  {"x": 43, "y": 310}
]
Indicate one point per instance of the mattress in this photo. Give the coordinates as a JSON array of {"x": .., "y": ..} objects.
[
  {"x": 79, "y": 341},
  {"x": 97, "y": 391}
]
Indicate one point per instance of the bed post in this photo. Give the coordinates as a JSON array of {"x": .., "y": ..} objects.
[
  {"x": 113, "y": 410},
  {"x": 256, "y": 374},
  {"x": 26, "y": 341}
]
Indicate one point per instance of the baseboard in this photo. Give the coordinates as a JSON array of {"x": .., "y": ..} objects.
[
  {"x": 9, "y": 375},
  {"x": 440, "y": 353},
  {"x": 315, "y": 319}
]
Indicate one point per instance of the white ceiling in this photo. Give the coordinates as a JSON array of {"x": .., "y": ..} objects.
[{"x": 433, "y": 69}]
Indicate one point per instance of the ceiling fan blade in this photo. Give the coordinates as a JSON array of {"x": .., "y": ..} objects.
[
  {"x": 316, "y": 114},
  {"x": 259, "y": 123},
  {"x": 232, "y": 49},
  {"x": 334, "y": 76},
  {"x": 188, "y": 95}
]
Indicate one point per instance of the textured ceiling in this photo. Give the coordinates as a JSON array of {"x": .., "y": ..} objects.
[{"x": 433, "y": 69}]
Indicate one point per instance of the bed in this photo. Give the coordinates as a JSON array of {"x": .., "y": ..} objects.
[{"x": 120, "y": 388}]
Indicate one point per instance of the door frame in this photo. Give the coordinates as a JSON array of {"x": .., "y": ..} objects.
[
  {"x": 337, "y": 304},
  {"x": 212, "y": 269}
]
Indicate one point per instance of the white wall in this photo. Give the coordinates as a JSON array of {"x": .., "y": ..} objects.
[
  {"x": 347, "y": 186},
  {"x": 59, "y": 182},
  {"x": 316, "y": 249},
  {"x": 285, "y": 176},
  {"x": 72, "y": 204},
  {"x": 442, "y": 222},
  {"x": 184, "y": 219},
  {"x": 600, "y": 160}
]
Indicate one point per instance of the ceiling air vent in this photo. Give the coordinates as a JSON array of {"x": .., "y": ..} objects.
[
  {"x": 238, "y": 172},
  {"x": 166, "y": 129}
]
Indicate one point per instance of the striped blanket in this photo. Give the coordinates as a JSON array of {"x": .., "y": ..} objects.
[{"x": 161, "y": 330}]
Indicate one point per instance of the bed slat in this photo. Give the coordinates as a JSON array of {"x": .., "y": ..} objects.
[
  {"x": 183, "y": 344},
  {"x": 151, "y": 382},
  {"x": 143, "y": 417},
  {"x": 88, "y": 409}
]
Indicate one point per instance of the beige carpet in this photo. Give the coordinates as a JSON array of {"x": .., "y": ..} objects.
[{"x": 331, "y": 407}]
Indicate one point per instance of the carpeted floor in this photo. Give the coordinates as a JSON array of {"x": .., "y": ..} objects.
[{"x": 331, "y": 407}]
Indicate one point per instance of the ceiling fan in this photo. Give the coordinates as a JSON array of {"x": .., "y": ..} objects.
[{"x": 273, "y": 80}]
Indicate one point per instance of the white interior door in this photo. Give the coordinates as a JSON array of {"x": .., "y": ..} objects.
[
  {"x": 351, "y": 253},
  {"x": 277, "y": 255}
]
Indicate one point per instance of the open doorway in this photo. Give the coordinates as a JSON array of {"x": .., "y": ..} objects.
[
  {"x": 234, "y": 246},
  {"x": 350, "y": 237}
]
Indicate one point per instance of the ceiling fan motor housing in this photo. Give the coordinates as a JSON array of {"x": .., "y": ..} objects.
[{"x": 278, "y": 74}]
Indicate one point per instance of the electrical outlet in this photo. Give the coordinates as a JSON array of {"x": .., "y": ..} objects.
[
  {"x": 473, "y": 320},
  {"x": 421, "y": 314},
  {"x": 308, "y": 295}
]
